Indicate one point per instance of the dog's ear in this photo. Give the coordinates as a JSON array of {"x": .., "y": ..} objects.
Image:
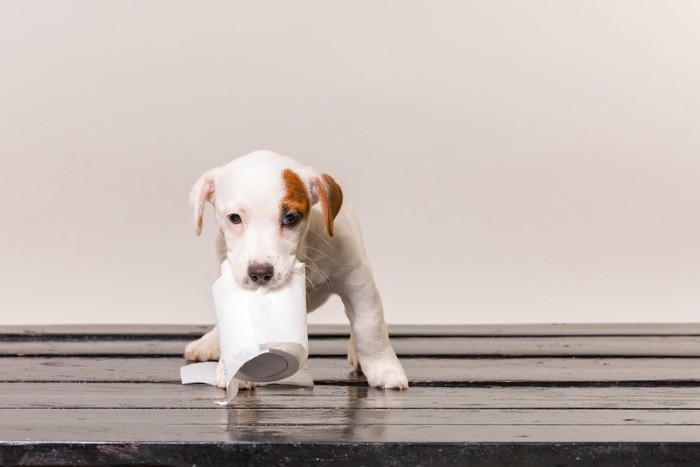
[
  {"x": 203, "y": 190},
  {"x": 325, "y": 190}
]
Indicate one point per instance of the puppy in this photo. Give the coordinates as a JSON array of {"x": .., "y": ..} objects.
[{"x": 271, "y": 210}]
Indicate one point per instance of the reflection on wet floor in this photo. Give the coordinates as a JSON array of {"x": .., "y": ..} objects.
[{"x": 274, "y": 406}]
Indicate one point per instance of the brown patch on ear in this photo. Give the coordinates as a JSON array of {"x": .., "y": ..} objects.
[
  {"x": 331, "y": 197},
  {"x": 296, "y": 199}
]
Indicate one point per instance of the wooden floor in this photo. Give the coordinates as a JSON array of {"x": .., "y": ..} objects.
[{"x": 480, "y": 395}]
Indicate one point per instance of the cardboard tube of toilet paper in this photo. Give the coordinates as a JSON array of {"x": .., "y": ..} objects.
[{"x": 262, "y": 332}]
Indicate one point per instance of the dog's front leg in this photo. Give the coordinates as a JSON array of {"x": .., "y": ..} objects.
[
  {"x": 377, "y": 358},
  {"x": 205, "y": 348}
]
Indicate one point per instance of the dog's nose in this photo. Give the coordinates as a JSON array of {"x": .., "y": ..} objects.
[{"x": 260, "y": 273}]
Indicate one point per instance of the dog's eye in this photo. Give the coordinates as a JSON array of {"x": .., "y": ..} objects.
[
  {"x": 290, "y": 219},
  {"x": 234, "y": 218}
]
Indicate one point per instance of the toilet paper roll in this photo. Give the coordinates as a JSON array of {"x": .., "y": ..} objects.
[{"x": 262, "y": 332}]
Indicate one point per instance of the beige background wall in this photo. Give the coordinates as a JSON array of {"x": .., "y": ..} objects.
[{"x": 512, "y": 161}]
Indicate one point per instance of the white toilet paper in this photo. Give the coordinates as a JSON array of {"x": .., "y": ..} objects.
[{"x": 262, "y": 332}]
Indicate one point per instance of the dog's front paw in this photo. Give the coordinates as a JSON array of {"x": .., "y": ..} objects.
[
  {"x": 220, "y": 379},
  {"x": 242, "y": 385},
  {"x": 385, "y": 373},
  {"x": 203, "y": 349}
]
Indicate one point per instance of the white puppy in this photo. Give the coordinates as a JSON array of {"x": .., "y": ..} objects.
[{"x": 271, "y": 210}]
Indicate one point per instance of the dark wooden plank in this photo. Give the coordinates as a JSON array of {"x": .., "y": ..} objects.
[
  {"x": 359, "y": 425},
  {"x": 529, "y": 330},
  {"x": 15, "y": 419},
  {"x": 150, "y": 347},
  {"x": 163, "y": 396},
  {"x": 192, "y": 331},
  {"x": 589, "y": 346},
  {"x": 642, "y": 346},
  {"x": 422, "y": 371},
  {"x": 267, "y": 449},
  {"x": 102, "y": 331}
]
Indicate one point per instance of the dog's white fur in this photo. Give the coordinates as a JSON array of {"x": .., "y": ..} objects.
[{"x": 253, "y": 187}]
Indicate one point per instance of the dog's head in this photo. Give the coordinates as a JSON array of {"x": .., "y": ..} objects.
[{"x": 263, "y": 202}]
